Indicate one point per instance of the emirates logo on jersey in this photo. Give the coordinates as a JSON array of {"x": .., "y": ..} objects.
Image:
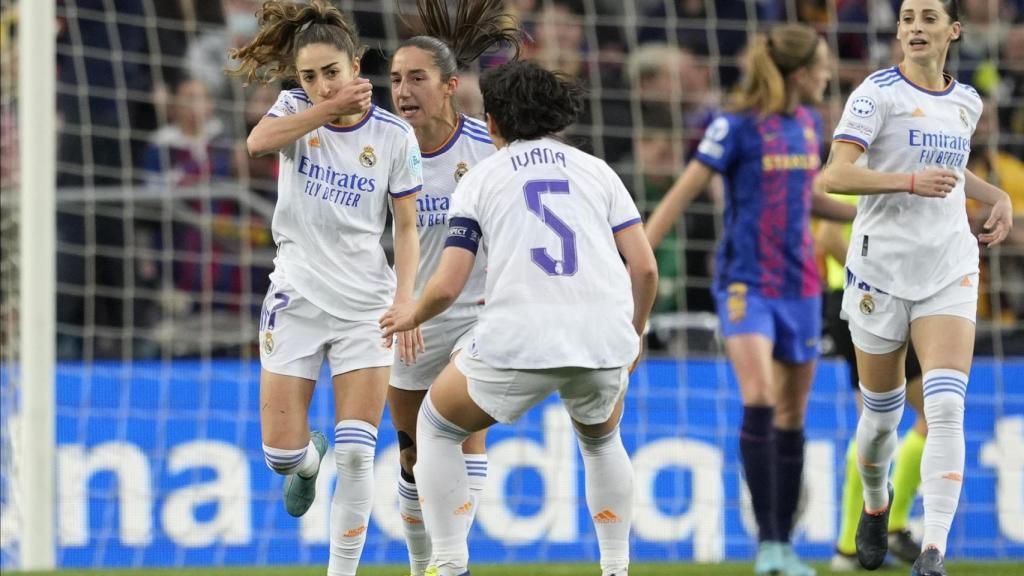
[
  {"x": 368, "y": 159},
  {"x": 460, "y": 170}
]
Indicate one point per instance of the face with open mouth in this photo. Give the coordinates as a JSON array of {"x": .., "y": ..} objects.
[
  {"x": 926, "y": 30},
  {"x": 417, "y": 91}
]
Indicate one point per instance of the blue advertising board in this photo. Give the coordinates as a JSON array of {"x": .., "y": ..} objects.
[{"x": 160, "y": 464}]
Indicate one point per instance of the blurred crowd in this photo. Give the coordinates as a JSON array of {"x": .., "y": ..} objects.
[{"x": 164, "y": 244}]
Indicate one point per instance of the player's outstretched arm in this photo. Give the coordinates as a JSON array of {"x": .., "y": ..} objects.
[
  {"x": 643, "y": 272},
  {"x": 273, "y": 133},
  {"x": 440, "y": 292},
  {"x": 841, "y": 176},
  {"x": 690, "y": 183},
  {"x": 1000, "y": 219},
  {"x": 831, "y": 238}
]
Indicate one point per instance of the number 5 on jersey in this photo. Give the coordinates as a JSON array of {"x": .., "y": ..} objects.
[{"x": 567, "y": 266}]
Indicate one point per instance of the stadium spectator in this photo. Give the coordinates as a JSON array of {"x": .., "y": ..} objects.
[
  {"x": 343, "y": 161},
  {"x": 536, "y": 335},
  {"x": 425, "y": 76},
  {"x": 912, "y": 268},
  {"x": 766, "y": 280}
]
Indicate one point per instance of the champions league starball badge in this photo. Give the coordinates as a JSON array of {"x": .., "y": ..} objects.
[
  {"x": 368, "y": 159},
  {"x": 867, "y": 304},
  {"x": 460, "y": 170}
]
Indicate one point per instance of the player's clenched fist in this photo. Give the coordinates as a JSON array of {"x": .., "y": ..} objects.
[
  {"x": 352, "y": 98},
  {"x": 933, "y": 182}
]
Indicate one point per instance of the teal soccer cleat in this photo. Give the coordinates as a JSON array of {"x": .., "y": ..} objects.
[
  {"x": 769, "y": 560},
  {"x": 300, "y": 492}
]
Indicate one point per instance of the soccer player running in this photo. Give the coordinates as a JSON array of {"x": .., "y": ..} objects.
[
  {"x": 834, "y": 239},
  {"x": 766, "y": 281},
  {"x": 424, "y": 79},
  {"x": 342, "y": 163},
  {"x": 563, "y": 312},
  {"x": 912, "y": 268}
]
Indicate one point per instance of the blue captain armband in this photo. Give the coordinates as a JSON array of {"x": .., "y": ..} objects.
[{"x": 464, "y": 233}]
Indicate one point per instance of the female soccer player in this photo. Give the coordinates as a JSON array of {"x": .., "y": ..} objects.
[
  {"x": 342, "y": 162},
  {"x": 912, "y": 266},
  {"x": 424, "y": 80},
  {"x": 766, "y": 281},
  {"x": 563, "y": 313}
]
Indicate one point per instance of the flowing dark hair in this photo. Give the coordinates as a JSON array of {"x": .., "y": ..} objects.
[
  {"x": 286, "y": 27},
  {"x": 528, "y": 102},
  {"x": 478, "y": 25}
]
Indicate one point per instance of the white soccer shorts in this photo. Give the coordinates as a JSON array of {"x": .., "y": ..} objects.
[
  {"x": 295, "y": 335},
  {"x": 442, "y": 337},
  {"x": 880, "y": 322},
  {"x": 589, "y": 394}
]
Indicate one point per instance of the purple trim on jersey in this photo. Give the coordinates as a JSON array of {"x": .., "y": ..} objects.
[
  {"x": 366, "y": 118},
  {"x": 943, "y": 92},
  {"x": 389, "y": 118},
  {"x": 272, "y": 115},
  {"x": 624, "y": 225},
  {"x": 451, "y": 141},
  {"x": 863, "y": 143},
  {"x": 300, "y": 94},
  {"x": 405, "y": 193},
  {"x": 771, "y": 223}
]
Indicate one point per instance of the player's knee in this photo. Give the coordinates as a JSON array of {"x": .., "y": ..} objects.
[
  {"x": 407, "y": 458},
  {"x": 353, "y": 457},
  {"x": 597, "y": 444},
  {"x": 944, "y": 411}
]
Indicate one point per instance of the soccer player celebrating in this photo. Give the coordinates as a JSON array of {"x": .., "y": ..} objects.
[
  {"x": 424, "y": 79},
  {"x": 563, "y": 313},
  {"x": 912, "y": 267},
  {"x": 342, "y": 162},
  {"x": 766, "y": 281}
]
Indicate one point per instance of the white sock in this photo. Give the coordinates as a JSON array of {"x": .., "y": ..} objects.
[
  {"x": 476, "y": 467},
  {"x": 354, "y": 444},
  {"x": 416, "y": 538},
  {"x": 609, "y": 484},
  {"x": 304, "y": 461},
  {"x": 942, "y": 464},
  {"x": 444, "y": 488},
  {"x": 876, "y": 442}
]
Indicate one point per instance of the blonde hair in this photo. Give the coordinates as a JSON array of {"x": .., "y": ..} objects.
[
  {"x": 770, "y": 58},
  {"x": 286, "y": 27}
]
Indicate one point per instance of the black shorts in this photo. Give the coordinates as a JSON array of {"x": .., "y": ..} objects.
[{"x": 839, "y": 330}]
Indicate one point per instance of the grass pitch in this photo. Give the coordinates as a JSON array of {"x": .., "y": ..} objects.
[{"x": 728, "y": 569}]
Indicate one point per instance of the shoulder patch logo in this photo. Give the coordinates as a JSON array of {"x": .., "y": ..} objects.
[
  {"x": 964, "y": 120},
  {"x": 460, "y": 170},
  {"x": 368, "y": 159},
  {"x": 863, "y": 107}
]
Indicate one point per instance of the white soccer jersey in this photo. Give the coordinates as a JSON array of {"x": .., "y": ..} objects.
[
  {"x": 558, "y": 293},
  {"x": 907, "y": 245},
  {"x": 334, "y": 188},
  {"x": 442, "y": 171}
]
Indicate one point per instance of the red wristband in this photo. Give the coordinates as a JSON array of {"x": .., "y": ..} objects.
[{"x": 912, "y": 183}]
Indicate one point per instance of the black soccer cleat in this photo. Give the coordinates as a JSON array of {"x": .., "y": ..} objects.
[
  {"x": 929, "y": 563},
  {"x": 903, "y": 546},
  {"x": 872, "y": 537}
]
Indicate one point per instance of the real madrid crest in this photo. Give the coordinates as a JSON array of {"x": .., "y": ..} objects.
[
  {"x": 368, "y": 159},
  {"x": 268, "y": 342},
  {"x": 867, "y": 304},
  {"x": 460, "y": 170}
]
